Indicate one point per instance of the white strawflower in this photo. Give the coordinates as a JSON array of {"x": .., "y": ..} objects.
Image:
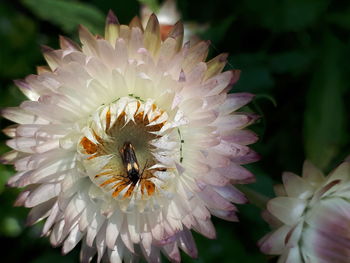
[
  {"x": 311, "y": 216},
  {"x": 129, "y": 142}
]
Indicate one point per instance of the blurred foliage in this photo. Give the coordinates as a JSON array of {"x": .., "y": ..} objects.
[
  {"x": 293, "y": 54},
  {"x": 287, "y": 15},
  {"x": 152, "y": 4},
  {"x": 325, "y": 113},
  {"x": 67, "y": 14}
]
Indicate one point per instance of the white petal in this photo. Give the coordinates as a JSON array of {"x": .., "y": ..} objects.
[
  {"x": 113, "y": 229},
  {"x": 274, "y": 243},
  {"x": 42, "y": 194},
  {"x": 296, "y": 186},
  {"x": 288, "y": 210},
  {"x": 72, "y": 240}
]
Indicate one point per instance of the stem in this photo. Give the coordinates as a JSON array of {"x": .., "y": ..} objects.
[{"x": 255, "y": 198}]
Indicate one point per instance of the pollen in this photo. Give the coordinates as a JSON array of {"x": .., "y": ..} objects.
[
  {"x": 108, "y": 120},
  {"x": 150, "y": 187},
  {"x": 89, "y": 146}
]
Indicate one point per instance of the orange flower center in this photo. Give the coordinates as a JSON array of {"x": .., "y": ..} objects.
[{"x": 123, "y": 144}]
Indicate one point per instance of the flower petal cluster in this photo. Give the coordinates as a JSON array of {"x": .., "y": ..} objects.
[
  {"x": 168, "y": 15},
  {"x": 311, "y": 217},
  {"x": 128, "y": 142}
]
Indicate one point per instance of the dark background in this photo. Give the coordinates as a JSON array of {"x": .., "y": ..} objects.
[{"x": 294, "y": 55}]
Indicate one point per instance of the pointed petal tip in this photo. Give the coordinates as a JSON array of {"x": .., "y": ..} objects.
[
  {"x": 236, "y": 73},
  {"x": 29, "y": 221},
  {"x": 246, "y": 97},
  {"x": 253, "y": 117},
  {"x": 19, "y": 82},
  {"x": 136, "y": 22},
  {"x": 153, "y": 23},
  {"x": 251, "y": 95},
  {"x": 61, "y": 38},
  {"x": 194, "y": 254},
  {"x": 264, "y": 246},
  {"x": 85, "y": 35},
  {"x": 42, "y": 69},
  {"x": 67, "y": 43},
  {"x": 82, "y": 28},
  {"x": 112, "y": 18},
  {"x": 249, "y": 180},
  {"x": 46, "y": 49},
  {"x": 7, "y": 184},
  {"x": 152, "y": 39},
  {"x": 179, "y": 25},
  {"x": 223, "y": 57},
  {"x": 251, "y": 157},
  {"x": 18, "y": 201},
  {"x": 3, "y": 161},
  {"x": 177, "y": 30},
  {"x": 153, "y": 16},
  {"x": 64, "y": 251}
]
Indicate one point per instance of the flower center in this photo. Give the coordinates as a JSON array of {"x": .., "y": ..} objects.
[{"x": 117, "y": 151}]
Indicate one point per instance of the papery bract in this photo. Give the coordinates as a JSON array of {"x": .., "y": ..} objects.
[
  {"x": 311, "y": 217},
  {"x": 128, "y": 142}
]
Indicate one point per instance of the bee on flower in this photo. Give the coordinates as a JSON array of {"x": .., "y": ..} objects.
[{"x": 128, "y": 142}]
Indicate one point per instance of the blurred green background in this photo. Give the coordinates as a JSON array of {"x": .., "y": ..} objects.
[{"x": 294, "y": 55}]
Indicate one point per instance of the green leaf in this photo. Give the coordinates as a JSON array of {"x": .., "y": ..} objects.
[
  {"x": 10, "y": 226},
  {"x": 229, "y": 246},
  {"x": 217, "y": 31},
  {"x": 254, "y": 79},
  {"x": 341, "y": 19},
  {"x": 5, "y": 174},
  {"x": 295, "y": 61},
  {"x": 287, "y": 15},
  {"x": 19, "y": 48},
  {"x": 267, "y": 97},
  {"x": 12, "y": 96},
  {"x": 67, "y": 14},
  {"x": 325, "y": 116},
  {"x": 54, "y": 257},
  {"x": 255, "y": 76}
]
